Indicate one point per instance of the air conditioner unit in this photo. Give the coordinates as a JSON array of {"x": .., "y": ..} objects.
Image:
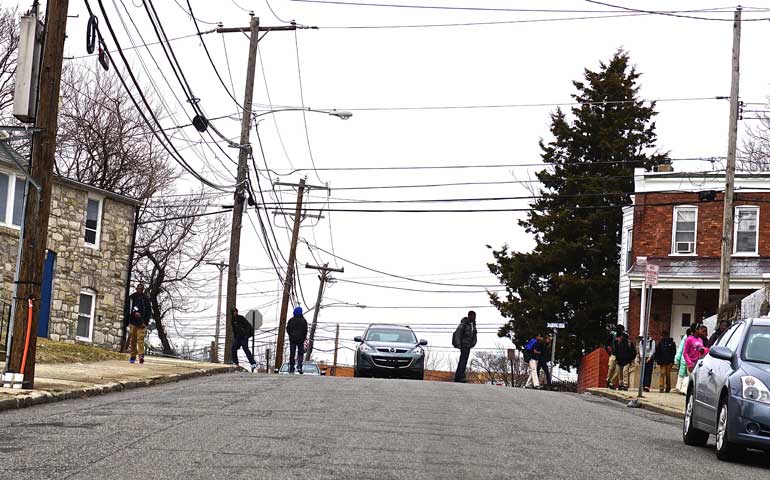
[{"x": 684, "y": 247}]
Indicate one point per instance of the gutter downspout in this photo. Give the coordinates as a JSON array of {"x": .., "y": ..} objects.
[{"x": 128, "y": 281}]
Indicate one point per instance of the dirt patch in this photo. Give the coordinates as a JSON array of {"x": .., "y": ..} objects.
[{"x": 60, "y": 352}]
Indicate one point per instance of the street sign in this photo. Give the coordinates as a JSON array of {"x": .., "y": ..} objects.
[
  {"x": 254, "y": 318},
  {"x": 556, "y": 325},
  {"x": 651, "y": 275}
]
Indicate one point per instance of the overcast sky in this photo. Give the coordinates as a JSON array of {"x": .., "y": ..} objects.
[{"x": 503, "y": 66}]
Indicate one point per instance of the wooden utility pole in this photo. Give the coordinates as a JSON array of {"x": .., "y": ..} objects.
[
  {"x": 38, "y": 206},
  {"x": 240, "y": 190},
  {"x": 732, "y": 140},
  {"x": 324, "y": 277},
  {"x": 215, "y": 354},
  {"x": 336, "y": 347}
]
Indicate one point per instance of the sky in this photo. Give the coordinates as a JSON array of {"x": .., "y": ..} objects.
[{"x": 489, "y": 89}]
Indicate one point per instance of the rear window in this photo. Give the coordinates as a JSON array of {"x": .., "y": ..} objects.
[
  {"x": 757, "y": 345},
  {"x": 391, "y": 335}
]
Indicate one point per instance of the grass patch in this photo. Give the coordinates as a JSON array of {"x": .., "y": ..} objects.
[{"x": 60, "y": 352}]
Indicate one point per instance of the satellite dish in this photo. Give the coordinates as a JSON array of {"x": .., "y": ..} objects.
[{"x": 254, "y": 318}]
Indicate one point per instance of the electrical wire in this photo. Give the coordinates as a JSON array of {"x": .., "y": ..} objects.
[{"x": 304, "y": 113}]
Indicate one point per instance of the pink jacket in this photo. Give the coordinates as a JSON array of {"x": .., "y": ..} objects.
[{"x": 693, "y": 351}]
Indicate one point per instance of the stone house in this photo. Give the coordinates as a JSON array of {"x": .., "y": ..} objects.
[{"x": 87, "y": 261}]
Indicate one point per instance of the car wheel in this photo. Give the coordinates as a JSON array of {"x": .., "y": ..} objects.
[
  {"x": 356, "y": 373},
  {"x": 420, "y": 375},
  {"x": 691, "y": 435},
  {"x": 726, "y": 450}
]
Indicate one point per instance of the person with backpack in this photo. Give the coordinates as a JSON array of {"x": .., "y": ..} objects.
[
  {"x": 464, "y": 338},
  {"x": 664, "y": 356},
  {"x": 532, "y": 351},
  {"x": 297, "y": 330},
  {"x": 139, "y": 312},
  {"x": 242, "y": 332},
  {"x": 625, "y": 353},
  {"x": 647, "y": 348}
]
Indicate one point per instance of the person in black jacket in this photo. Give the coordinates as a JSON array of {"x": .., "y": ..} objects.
[
  {"x": 625, "y": 353},
  {"x": 297, "y": 330},
  {"x": 138, "y": 318},
  {"x": 721, "y": 328},
  {"x": 464, "y": 338},
  {"x": 664, "y": 355},
  {"x": 242, "y": 332}
]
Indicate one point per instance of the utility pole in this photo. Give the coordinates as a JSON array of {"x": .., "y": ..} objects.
[
  {"x": 324, "y": 277},
  {"x": 732, "y": 139},
  {"x": 38, "y": 205},
  {"x": 215, "y": 354},
  {"x": 336, "y": 347}
]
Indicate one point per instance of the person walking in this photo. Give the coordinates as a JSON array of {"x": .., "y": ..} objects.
[
  {"x": 297, "y": 330},
  {"x": 625, "y": 353},
  {"x": 649, "y": 360},
  {"x": 543, "y": 359},
  {"x": 694, "y": 348},
  {"x": 464, "y": 338},
  {"x": 532, "y": 351},
  {"x": 681, "y": 377},
  {"x": 721, "y": 328},
  {"x": 613, "y": 334},
  {"x": 664, "y": 355},
  {"x": 242, "y": 332},
  {"x": 139, "y": 311}
]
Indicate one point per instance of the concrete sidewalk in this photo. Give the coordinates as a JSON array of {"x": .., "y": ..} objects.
[
  {"x": 62, "y": 381},
  {"x": 671, "y": 404}
]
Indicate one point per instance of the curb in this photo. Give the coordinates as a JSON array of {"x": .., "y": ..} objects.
[
  {"x": 670, "y": 412},
  {"x": 43, "y": 396}
]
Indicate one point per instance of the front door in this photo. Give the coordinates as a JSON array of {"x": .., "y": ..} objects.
[{"x": 682, "y": 316}]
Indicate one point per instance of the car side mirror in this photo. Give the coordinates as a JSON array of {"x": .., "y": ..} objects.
[
  {"x": 722, "y": 353},
  {"x": 358, "y": 339},
  {"x": 323, "y": 371},
  {"x": 423, "y": 342}
]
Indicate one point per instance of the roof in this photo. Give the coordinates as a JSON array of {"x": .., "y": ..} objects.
[
  {"x": 389, "y": 325},
  {"x": 8, "y": 154},
  {"x": 650, "y": 182},
  {"x": 694, "y": 267}
]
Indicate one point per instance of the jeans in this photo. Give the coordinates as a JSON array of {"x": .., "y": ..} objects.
[
  {"x": 136, "y": 339},
  {"x": 462, "y": 364},
  {"x": 543, "y": 365},
  {"x": 241, "y": 342},
  {"x": 648, "y": 368},
  {"x": 299, "y": 349}
]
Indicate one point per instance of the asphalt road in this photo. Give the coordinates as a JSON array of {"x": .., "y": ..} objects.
[{"x": 256, "y": 426}]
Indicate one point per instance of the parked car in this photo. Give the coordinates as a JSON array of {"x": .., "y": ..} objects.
[
  {"x": 728, "y": 394},
  {"x": 389, "y": 351},
  {"x": 309, "y": 367}
]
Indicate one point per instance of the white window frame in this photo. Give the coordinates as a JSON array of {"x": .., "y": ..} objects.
[
  {"x": 92, "y": 294},
  {"x": 96, "y": 244},
  {"x": 629, "y": 248},
  {"x": 674, "y": 253},
  {"x": 736, "y": 253},
  {"x": 8, "y": 220}
]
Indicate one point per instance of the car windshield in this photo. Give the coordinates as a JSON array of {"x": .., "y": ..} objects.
[
  {"x": 757, "y": 343},
  {"x": 391, "y": 335},
  {"x": 306, "y": 368}
]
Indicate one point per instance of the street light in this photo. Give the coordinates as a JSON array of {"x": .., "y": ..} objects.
[{"x": 342, "y": 114}]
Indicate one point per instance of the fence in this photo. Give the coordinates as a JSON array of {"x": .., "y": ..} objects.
[{"x": 5, "y": 322}]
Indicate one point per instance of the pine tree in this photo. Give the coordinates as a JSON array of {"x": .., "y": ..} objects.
[{"x": 571, "y": 276}]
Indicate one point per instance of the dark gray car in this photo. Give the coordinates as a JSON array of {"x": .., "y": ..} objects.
[
  {"x": 389, "y": 351},
  {"x": 728, "y": 393}
]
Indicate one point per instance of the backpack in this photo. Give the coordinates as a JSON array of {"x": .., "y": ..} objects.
[
  {"x": 457, "y": 336},
  {"x": 530, "y": 345}
]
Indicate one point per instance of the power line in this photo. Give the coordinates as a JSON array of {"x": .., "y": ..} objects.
[
  {"x": 391, "y": 287},
  {"x": 302, "y": 102},
  {"x": 671, "y": 13}
]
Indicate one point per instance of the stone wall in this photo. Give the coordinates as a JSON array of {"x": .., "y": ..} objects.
[{"x": 78, "y": 266}]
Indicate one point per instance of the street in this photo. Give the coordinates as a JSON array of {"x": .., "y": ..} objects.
[{"x": 256, "y": 426}]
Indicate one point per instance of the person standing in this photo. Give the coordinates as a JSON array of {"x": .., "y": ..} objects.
[
  {"x": 694, "y": 349},
  {"x": 681, "y": 378},
  {"x": 542, "y": 361},
  {"x": 625, "y": 354},
  {"x": 139, "y": 311},
  {"x": 464, "y": 338},
  {"x": 242, "y": 332},
  {"x": 721, "y": 328},
  {"x": 532, "y": 351},
  {"x": 297, "y": 330},
  {"x": 612, "y": 365},
  {"x": 665, "y": 354},
  {"x": 649, "y": 359}
]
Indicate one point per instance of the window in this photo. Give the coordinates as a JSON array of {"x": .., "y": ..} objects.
[
  {"x": 758, "y": 345},
  {"x": 685, "y": 225},
  {"x": 722, "y": 341},
  {"x": 629, "y": 245},
  {"x": 734, "y": 343},
  {"x": 93, "y": 222},
  {"x": 11, "y": 199},
  {"x": 746, "y": 231},
  {"x": 86, "y": 315}
]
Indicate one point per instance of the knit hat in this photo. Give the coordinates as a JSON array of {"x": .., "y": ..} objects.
[{"x": 297, "y": 311}]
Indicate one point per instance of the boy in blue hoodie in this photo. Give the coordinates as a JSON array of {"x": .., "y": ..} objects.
[{"x": 297, "y": 330}]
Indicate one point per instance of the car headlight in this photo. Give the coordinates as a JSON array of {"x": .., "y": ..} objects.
[
  {"x": 417, "y": 351},
  {"x": 755, "y": 389},
  {"x": 365, "y": 348}
]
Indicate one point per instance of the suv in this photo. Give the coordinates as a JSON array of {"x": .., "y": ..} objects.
[
  {"x": 309, "y": 367},
  {"x": 728, "y": 394},
  {"x": 389, "y": 351}
]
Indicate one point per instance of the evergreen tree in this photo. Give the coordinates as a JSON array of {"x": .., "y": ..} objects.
[{"x": 571, "y": 276}]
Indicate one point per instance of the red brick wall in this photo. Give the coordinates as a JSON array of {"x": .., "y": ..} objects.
[
  {"x": 593, "y": 369},
  {"x": 660, "y": 314},
  {"x": 653, "y": 224}
]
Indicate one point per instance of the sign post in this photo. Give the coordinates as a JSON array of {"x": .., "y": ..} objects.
[
  {"x": 555, "y": 327},
  {"x": 650, "y": 280}
]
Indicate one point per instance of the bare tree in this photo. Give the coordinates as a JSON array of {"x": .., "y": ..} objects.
[
  {"x": 173, "y": 241},
  {"x": 9, "y": 51},
  {"x": 492, "y": 366},
  {"x": 754, "y": 155}
]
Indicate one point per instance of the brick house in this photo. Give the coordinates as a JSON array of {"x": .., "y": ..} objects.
[
  {"x": 675, "y": 222},
  {"x": 89, "y": 242}
]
